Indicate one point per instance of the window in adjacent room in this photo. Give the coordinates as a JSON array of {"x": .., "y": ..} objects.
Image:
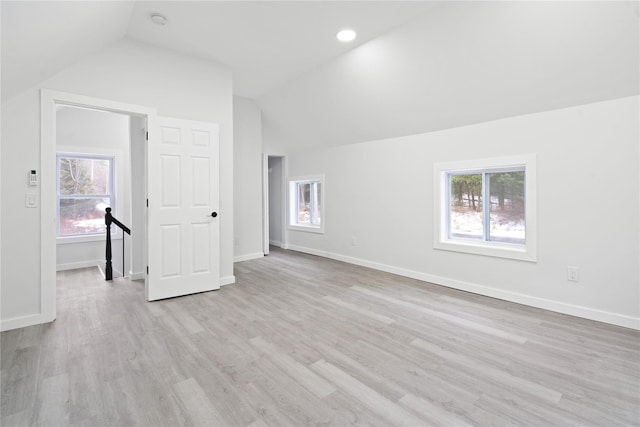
[
  {"x": 85, "y": 189},
  {"x": 487, "y": 207},
  {"x": 306, "y": 210}
]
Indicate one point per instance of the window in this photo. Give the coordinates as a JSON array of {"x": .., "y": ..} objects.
[
  {"x": 487, "y": 207},
  {"x": 306, "y": 204},
  {"x": 85, "y": 189}
]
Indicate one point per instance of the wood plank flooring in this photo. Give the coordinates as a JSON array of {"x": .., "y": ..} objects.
[{"x": 301, "y": 340}]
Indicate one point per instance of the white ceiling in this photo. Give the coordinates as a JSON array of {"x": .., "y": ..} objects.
[
  {"x": 265, "y": 43},
  {"x": 416, "y": 66},
  {"x": 39, "y": 39},
  {"x": 459, "y": 64}
]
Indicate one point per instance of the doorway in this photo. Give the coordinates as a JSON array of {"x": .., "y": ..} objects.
[
  {"x": 99, "y": 164},
  {"x": 274, "y": 201},
  {"x": 51, "y": 103}
]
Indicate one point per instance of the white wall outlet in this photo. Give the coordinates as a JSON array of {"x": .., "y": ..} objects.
[
  {"x": 573, "y": 274},
  {"x": 354, "y": 241}
]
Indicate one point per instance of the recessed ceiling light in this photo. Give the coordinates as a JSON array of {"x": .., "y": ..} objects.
[
  {"x": 158, "y": 19},
  {"x": 346, "y": 35}
]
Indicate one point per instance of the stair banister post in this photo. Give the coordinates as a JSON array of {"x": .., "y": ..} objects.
[{"x": 108, "y": 267}]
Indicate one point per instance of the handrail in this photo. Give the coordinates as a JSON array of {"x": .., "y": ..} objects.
[{"x": 108, "y": 220}]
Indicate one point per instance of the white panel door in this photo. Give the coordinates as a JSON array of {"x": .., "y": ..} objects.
[{"x": 183, "y": 221}]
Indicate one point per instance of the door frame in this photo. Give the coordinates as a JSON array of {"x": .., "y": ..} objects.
[
  {"x": 48, "y": 101},
  {"x": 265, "y": 204}
]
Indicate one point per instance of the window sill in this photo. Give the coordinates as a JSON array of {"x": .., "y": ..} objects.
[
  {"x": 306, "y": 228},
  {"x": 500, "y": 250},
  {"x": 84, "y": 239}
]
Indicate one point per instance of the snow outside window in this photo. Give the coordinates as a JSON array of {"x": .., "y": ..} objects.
[
  {"x": 487, "y": 207},
  {"x": 85, "y": 189},
  {"x": 306, "y": 210}
]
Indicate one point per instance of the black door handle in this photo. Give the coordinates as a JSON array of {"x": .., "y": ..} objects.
[{"x": 214, "y": 214}]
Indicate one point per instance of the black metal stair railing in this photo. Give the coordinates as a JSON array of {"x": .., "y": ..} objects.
[{"x": 108, "y": 220}]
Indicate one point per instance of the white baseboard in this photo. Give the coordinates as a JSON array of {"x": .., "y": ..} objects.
[
  {"x": 276, "y": 243},
  {"x": 560, "y": 307},
  {"x": 23, "y": 322},
  {"x": 136, "y": 276},
  {"x": 80, "y": 264},
  {"x": 229, "y": 280},
  {"x": 248, "y": 257},
  {"x": 115, "y": 273}
]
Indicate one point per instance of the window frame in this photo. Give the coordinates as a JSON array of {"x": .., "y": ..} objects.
[
  {"x": 88, "y": 237},
  {"x": 293, "y": 184},
  {"x": 442, "y": 239}
]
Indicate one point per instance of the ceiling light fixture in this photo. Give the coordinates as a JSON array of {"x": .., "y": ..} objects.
[
  {"x": 158, "y": 19},
  {"x": 346, "y": 36}
]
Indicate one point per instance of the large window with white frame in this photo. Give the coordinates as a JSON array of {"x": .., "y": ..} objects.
[
  {"x": 487, "y": 207},
  {"x": 306, "y": 207},
  {"x": 85, "y": 188}
]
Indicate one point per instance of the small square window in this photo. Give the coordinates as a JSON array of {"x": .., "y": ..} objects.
[
  {"x": 487, "y": 207},
  {"x": 306, "y": 204}
]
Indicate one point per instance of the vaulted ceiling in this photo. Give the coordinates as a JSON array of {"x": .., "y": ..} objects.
[
  {"x": 416, "y": 66},
  {"x": 265, "y": 43},
  {"x": 461, "y": 63}
]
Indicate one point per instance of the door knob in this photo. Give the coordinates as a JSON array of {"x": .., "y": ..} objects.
[{"x": 214, "y": 214}]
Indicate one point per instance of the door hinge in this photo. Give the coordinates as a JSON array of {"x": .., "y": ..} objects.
[
  {"x": 147, "y": 202},
  {"x": 147, "y": 135},
  {"x": 147, "y": 270}
]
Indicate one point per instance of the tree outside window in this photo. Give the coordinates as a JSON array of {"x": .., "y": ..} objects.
[
  {"x": 306, "y": 204},
  {"x": 85, "y": 189},
  {"x": 487, "y": 206}
]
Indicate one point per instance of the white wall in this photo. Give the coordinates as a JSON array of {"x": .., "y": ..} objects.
[
  {"x": 247, "y": 175},
  {"x": 381, "y": 193},
  {"x": 86, "y": 131},
  {"x": 276, "y": 211},
  {"x": 176, "y": 85}
]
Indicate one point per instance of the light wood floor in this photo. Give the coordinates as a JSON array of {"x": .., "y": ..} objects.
[{"x": 300, "y": 340}]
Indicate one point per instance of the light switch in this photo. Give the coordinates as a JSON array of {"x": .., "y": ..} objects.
[{"x": 31, "y": 200}]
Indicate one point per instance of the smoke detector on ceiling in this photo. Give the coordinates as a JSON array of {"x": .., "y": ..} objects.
[{"x": 158, "y": 19}]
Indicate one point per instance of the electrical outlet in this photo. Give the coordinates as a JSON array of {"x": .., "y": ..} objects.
[
  {"x": 353, "y": 241},
  {"x": 573, "y": 274}
]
